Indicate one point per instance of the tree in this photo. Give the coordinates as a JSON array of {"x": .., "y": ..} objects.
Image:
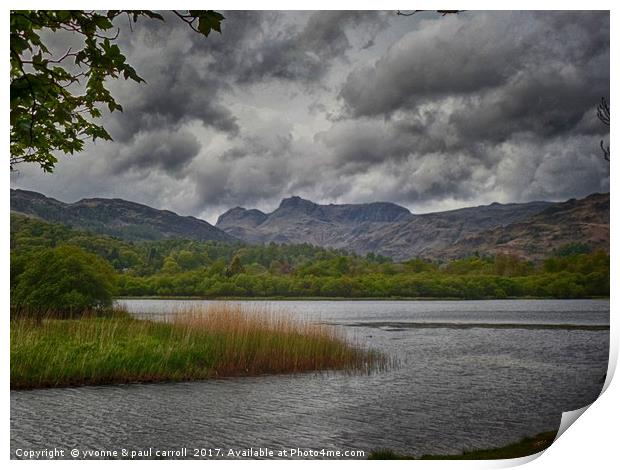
[
  {"x": 602, "y": 112},
  {"x": 55, "y": 101},
  {"x": 170, "y": 265},
  {"x": 64, "y": 281},
  {"x": 235, "y": 267}
]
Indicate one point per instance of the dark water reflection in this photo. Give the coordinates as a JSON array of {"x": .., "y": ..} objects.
[{"x": 455, "y": 389}]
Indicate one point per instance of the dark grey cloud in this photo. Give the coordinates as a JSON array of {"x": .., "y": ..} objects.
[
  {"x": 461, "y": 91},
  {"x": 474, "y": 53},
  {"x": 179, "y": 86},
  {"x": 187, "y": 74},
  {"x": 255, "y": 46},
  {"x": 546, "y": 103},
  {"x": 256, "y": 169},
  {"x": 357, "y": 145},
  {"x": 166, "y": 150},
  {"x": 430, "y": 112},
  {"x": 172, "y": 101}
]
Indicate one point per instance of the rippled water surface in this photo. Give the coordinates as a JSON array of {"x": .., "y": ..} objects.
[{"x": 472, "y": 374}]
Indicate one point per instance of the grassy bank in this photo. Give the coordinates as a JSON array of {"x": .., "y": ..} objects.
[
  {"x": 215, "y": 341},
  {"x": 523, "y": 448}
]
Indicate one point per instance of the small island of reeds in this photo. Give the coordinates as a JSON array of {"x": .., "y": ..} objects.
[{"x": 220, "y": 340}]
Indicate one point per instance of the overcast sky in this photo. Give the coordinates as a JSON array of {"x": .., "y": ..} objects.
[{"x": 429, "y": 112}]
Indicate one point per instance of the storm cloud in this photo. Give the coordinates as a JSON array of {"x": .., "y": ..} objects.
[{"x": 430, "y": 112}]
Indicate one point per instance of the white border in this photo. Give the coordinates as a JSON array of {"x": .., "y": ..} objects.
[{"x": 589, "y": 443}]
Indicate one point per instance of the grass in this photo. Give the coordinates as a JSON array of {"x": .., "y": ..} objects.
[
  {"x": 214, "y": 341},
  {"x": 523, "y": 448}
]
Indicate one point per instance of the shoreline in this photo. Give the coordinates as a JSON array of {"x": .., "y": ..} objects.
[
  {"x": 522, "y": 448},
  {"x": 340, "y": 299}
]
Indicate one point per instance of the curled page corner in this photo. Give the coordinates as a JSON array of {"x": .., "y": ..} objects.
[
  {"x": 523, "y": 460},
  {"x": 568, "y": 418}
]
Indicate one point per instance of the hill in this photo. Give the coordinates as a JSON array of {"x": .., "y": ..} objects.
[
  {"x": 116, "y": 217},
  {"x": 574, "y": 222}
]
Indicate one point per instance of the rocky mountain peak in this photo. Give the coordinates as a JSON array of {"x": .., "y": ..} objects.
[
  {"x": 241, "y": 215},
  {"x": 297, "y": 203}
]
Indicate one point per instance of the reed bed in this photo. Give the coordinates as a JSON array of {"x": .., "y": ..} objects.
[{"x": 220, "y": 340}]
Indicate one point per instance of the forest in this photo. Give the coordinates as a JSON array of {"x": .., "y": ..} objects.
[{"x": 229, "y": 270}]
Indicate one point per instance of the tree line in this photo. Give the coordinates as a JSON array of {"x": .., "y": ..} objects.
[{"x": 217, "y": 270}]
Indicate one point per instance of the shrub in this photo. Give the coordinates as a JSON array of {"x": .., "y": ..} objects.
[{"x": 62, "y": 281}]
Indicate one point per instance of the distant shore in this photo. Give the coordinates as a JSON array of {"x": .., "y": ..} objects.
[{"x": 425, "y": 299}]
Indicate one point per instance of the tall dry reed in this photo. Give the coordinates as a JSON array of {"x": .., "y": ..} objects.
[
  {"x": 259, "y": 339},
  {"x": 216, "y": 341}
]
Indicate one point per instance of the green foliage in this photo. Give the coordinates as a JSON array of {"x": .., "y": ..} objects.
[
  {"x": 525, "y": 447},
  {"x": 235, "y": 267},
  {"x": 55, "y": 100},
  {"x": 64, "y": 280},
  {"x": 215, "y": 269},
  {"x": 572, "y": 249}
]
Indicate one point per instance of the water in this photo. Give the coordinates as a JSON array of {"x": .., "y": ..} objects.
[{"x": 472, "y": 374}]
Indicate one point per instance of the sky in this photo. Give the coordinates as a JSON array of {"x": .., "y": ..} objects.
[{"x": 430, "y": 112}]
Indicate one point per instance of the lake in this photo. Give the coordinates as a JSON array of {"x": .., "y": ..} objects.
[{"x": 470, "y": 374}]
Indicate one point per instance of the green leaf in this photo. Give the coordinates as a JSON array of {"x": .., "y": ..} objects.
[
  {"x": 209, "y": 20},
  {"x": 102, "y": 22},
  {"x": 19, "y": 44}
]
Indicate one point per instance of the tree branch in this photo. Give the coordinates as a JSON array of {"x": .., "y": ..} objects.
[
  {"x": 186, "y": 19},
  {"x": 441, "y": 12},
  {"x": 602, "y": 112}
]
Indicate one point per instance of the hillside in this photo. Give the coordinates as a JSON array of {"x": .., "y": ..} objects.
[
  {"x": 116, "y": 217},
  {"x": 435, "y": 235},
  {"x": 584, "y": 221}
]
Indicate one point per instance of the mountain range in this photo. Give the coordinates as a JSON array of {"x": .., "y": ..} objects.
[
  {"x": 115, "y": 217},
  {"x": 530, "y": 230}
]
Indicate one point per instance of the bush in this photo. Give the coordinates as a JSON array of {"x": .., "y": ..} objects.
[{"x": 63, "y": 281}]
